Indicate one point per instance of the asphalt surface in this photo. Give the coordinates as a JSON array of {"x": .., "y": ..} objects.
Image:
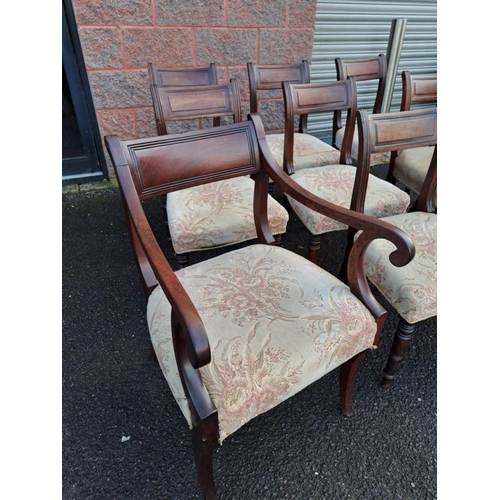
[{"x": 125, "y": 438}]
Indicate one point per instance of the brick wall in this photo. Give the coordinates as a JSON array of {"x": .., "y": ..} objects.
[{"x": 119, "y": 38}]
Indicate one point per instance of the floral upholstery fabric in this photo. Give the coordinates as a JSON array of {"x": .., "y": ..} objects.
[
  {"x": 276, "y": 322},
  {"x": 308, "y": 151},
  {"x": 412, "y": 289},
  {"x": 335, "y": 183},
  {"x": 218, "y": 214},
  {"x": 375, "y": 159},
  {"x": 411, "y": 166}
]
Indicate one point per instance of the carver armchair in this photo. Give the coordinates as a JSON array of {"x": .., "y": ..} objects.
[
  {"x": 371, "y": 70},
  {"x": 411, "y": 290},
  {"x": 409, "y": 166},
  {"x": 240, "y": 333},
  {"x": 341, "y": 183},
  {"x": 308, "y": 151},
  {"x": 219, "y": 213}
]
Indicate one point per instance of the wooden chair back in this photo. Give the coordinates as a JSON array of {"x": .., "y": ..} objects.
[
  {"x": 155, "y": 166},
  {"x": 387, "y": 132},
  {"x": 271, "y": 76},
  {"x": 418, "y": 89},
  {"x": 309, "y": 98},
  {"x": 371, "y": 68},
  {"x": 179, "y": 77},
  {"x": 196, "y": 102},
  {"x": 182, "y": 77}
]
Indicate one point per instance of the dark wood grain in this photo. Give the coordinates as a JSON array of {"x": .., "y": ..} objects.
[
  {"x": 196, "y": 102},
  {"x": 168, "y": 165},
  {"x": 389, "y": 132},
  {"x": 362, "y": 69},
  {"x": 178, "y": 77},
  {"x": 416, "y": 89},
  {"x": 271, "y": 76},
  {"x": 310, "y": 98}
]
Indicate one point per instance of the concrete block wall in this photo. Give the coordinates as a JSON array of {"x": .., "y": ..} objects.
[{"x": 119, "y": 38}]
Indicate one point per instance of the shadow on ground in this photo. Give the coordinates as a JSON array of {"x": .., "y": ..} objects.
[{"x": 125, "y": 438}]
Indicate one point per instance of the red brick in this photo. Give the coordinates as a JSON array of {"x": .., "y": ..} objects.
[
  {"x": 302, "y": 13},
  {"x": 190, "y": 13},
  {"x": 285, "y": 46},
  {"x": 120, "y": 122},
  {"x": 113, "y": 12},
  {"x": 120, "y": 89},
  {"x": 101, "y": 48},
  {"x": 146, "y": 125},
  {"x": 226, "y": 47},
  {"x": 164, "y": 47},
  {"x": 258, "y": 13}
]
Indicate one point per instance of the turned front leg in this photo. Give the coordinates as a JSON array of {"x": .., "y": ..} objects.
[{"x": 399, "y": 345}]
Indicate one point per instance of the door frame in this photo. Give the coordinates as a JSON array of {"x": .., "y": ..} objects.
[{"x": 92, "y": 166}]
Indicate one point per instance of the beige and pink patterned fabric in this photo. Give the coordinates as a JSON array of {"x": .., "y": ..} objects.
[
  {"x": 276, "y": 323},
  {"x": 412, "y": 289},
  {"x": 375, "y": 159},
  {"x": 334, "y": 183},
  {"x": 218, "y": 214},
  {"x": 308, "y": 151},
  {"x": 411, "y": 166}
]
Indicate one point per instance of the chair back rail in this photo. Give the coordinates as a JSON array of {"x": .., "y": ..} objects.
[
  {"x": 188, "y": 103},
  {"x": 182, "y": 77},
  {"x": 309, "y": 98},
  {"x": 391, "y": 132},
  {"x": 418, "y": 89},
  {"x": 168, "y": 163},
  {"x": 178, "y": 77},
  {"x": 371, "y": 68},
  {"x": 271, "y": 76}
]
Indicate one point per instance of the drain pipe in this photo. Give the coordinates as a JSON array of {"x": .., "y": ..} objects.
[{"x": 394, "y": 47}]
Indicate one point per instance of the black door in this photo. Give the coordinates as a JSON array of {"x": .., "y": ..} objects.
[{"x": 82, "y": 154}]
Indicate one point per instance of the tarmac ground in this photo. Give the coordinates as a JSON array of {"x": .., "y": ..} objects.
[{"x": 125, "y": 438}]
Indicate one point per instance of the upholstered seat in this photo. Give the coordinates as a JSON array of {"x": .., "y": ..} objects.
[
  {"x": 412, "y": 290},
  {"x": 239, "y": 333},
  {"x": 291, "y": 322},
  {"x": 335, "y": 183},
  {"x": 218, "y": 214},
  {"x": 410, "y": 166},
  {"x": 308, "y": 151},
  {"x": 340, "y": 183}
]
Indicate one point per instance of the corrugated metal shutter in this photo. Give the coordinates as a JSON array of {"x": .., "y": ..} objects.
[{"x": 356, "y": 29}]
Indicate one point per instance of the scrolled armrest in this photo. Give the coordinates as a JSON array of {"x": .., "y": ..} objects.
[{"x": 371, "y": 227}]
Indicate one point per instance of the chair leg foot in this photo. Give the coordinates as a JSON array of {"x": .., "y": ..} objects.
[
  {"x": 204, "y": 439},
  {"x": 182, "y": 260},
  {"x": 347, "y": 375},
  {"x": 314, "y": 244},
  {"x": 399, "y": 345}
]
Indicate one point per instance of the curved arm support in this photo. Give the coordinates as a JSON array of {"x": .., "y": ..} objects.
[
  {"x": 200, "y": 402},
  {"x": 198, "y": 347},
  {"x": 372, "y": 228}
]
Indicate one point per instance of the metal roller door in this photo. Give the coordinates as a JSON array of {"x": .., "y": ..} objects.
[{"x": 356, "y": 29}]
